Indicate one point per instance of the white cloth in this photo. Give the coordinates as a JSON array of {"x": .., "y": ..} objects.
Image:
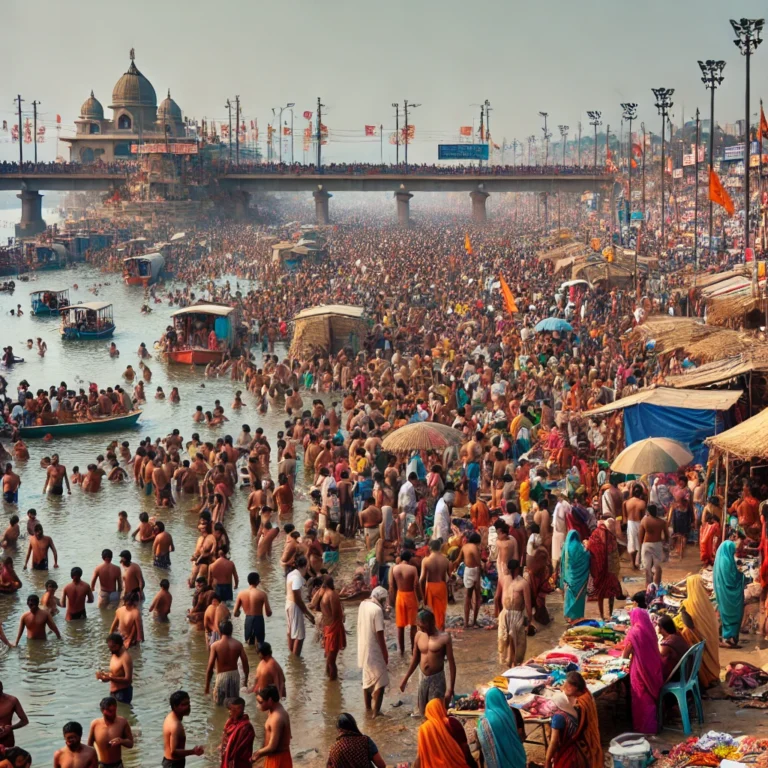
[
  {"x": 442, "y": 524},
  {"x": 295, "y": 620},
  {"x": 471, "y": 575},
  {"x": 406, "y": 499},
  {"x": 562, "y": 508},
  {"x": 558, "y": 539},
  {"x": 633, "y": 535},
  {"x": 370, "y": 620}
]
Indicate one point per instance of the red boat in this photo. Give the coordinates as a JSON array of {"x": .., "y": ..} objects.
[
  {"x": 205, "y": 332},
  {"x": 143, "y": 270},
  {"x": 196, "y": 356}
]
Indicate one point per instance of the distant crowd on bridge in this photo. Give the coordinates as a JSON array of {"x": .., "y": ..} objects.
[{"x": 119, "y": 167}]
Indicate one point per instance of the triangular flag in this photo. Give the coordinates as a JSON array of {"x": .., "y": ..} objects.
[
  {"x": 717, "y": 193},
  {"x": 509, "y": 299},
  {"x": 762, "y": 131},
  {"x": 468, "y": 244}
]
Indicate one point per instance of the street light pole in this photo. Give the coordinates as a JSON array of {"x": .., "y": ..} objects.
[
  {"x": 696, "y": 202},
  {"x": 290, "y": 105},
  {"x": 396, "y": 105},
  {"x": 228, "y": 105},
  {"x": 747, "y": 39},
  {"x": 629, "y": 112},
  {"x": 405, "y": 115},
  {"x": 237, "y": 130},
  {"x": 663, "y": 103},
  {"x": 488, "y": 128},
  {"x": 594, "y": 120},
  {"x": 711, "y": 76}
]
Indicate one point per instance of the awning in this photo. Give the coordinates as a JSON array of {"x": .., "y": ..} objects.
[
  {"x": 725, "y": 369},
  {"x": 330, "y": 309},
  {"x": 745, "y": 440},
  {"x": 667, "y": 397}
]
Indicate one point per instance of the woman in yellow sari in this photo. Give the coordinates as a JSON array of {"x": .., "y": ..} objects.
[{"x": 700, "y": 610}]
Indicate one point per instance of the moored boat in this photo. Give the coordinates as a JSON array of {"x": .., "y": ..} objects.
[
  {"x": 49, "y": 302},
  {"x": 74, "y": 428},
  {"x": 91, "y": 320},
  {"x": 143, "y": 270},
  {"x": 205, "y": 332}
]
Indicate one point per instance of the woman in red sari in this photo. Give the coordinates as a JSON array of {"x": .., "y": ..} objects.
[
  {"x": 709, "y": 538},
  {"x": 604, "y": 567}
]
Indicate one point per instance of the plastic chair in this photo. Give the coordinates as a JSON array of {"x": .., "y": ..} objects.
[{"x": 688, "y": 667}]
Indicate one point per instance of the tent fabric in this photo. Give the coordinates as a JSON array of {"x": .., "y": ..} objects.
[
  {"x": 668, "y": 397},
  {"x": 689, "y": 426}
]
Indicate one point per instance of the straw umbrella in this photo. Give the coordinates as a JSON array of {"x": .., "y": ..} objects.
[
  {"x": 652, "y": 455},
  {"x": 422, "y": 436}
]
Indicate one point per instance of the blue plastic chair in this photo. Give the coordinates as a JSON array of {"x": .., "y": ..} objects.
[{"x": 688, "y": 667}]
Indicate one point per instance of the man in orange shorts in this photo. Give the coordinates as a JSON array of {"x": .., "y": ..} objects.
[
  {"x": 277, "y": 731},
  {"x": 434, "y": 582},
  {"x": 405, "y": 594}
]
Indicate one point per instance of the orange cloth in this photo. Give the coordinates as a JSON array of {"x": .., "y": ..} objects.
[
  {"x": 480, "y": 515},
  {"x": 278, "y": 760},
  {"x": 334, "y": 637},
  {"x": 588, "y": 727},
  {"x": 437, "y": 599},
  {"x": 509, "y": 299},
  {"x": 406, "y": 609},
  {"x": 437, "y": 747},
  {"x": 717, "y": 193}
]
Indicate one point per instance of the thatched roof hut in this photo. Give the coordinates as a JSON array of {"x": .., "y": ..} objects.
[
  {"x": 745, "y": 440},
  {"x": 327, "y": 329},
  {"x": 753, "y": 360}
]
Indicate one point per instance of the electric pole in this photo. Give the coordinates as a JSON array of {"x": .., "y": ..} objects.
[
  {"x": 21, "y": 134},
  {"x": 319, "y": 137},
  {"x": 34, "y": 126},
  {"x": 237, "y": 130},
  {"x": 228, "y": 105}
]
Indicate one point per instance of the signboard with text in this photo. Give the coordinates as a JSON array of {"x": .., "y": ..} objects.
[
  {"x": 462, "y": 151},
  {"x": 162, "y": 148}
]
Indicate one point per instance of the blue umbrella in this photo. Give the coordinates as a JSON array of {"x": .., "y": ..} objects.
[{"x": 553, "y": 324}]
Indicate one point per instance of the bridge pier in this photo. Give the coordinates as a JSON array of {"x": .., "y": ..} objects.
[
  {"x": 31, "y": 214},
  {"x": 403, "y": 198},
  {"x": 479, "y": 213},
  {"x": 241, "y": 200},
  {"x": 322, "y": 215}
]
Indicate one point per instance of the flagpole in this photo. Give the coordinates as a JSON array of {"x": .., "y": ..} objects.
[
  {"x": 760, "y": 176},
  {"x": 696, "y": 207}
]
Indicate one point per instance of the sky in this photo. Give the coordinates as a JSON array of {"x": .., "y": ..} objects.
[{"x": 560, "y": 57}]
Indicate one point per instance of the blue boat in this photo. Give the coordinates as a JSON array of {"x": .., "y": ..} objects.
[
  {"x": 73, "y": 428},
  {"x": 47, "y": 257},
  {"x": 49, "y": 302},
  {"x": 91, "y": 320}
]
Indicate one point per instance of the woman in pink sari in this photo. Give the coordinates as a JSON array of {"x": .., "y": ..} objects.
[{"x": 645, "y": 671}]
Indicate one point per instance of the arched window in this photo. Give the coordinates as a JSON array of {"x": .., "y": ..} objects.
[
  {"x": 124, "y": 121},
  {"x": 94, "y": 128}
]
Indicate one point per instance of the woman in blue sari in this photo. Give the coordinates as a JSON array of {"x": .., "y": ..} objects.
[
  {"x": 497, "y": 734},
  {"x": 729, "y": 590},
  {"x": 575, "y": 576}
]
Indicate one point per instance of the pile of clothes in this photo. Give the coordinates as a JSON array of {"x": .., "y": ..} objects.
[{"x": 714, "y": 747}]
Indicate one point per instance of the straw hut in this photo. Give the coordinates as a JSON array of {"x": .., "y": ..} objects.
[
  {"x": 745, "y": 440},
  {"x": 603, "y": 272},
  {"x": 327, "y": 330}
]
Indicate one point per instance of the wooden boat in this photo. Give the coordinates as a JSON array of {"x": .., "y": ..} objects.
[
  {"x": 49, "y": 302},
  {"x": 47, "y": 257},
  {"x": 143, "y": 270},
  {"x": 74, "y": 428},
  {"x": 91, "y": 320},
  {"x": 206, "y": 332}
]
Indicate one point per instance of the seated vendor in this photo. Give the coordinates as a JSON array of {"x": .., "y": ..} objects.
[{"x": 672, "y": 646}]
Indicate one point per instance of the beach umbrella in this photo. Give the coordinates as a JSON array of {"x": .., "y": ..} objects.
[
  {"x": 553, "y": 324},
  {"x": 422, "y": 436},
  {"x": 652, "y": 455}
]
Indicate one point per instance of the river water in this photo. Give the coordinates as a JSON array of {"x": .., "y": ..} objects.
[{"x": 55, "y": 680}]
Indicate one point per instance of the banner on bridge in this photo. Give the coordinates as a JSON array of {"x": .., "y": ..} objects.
[
  {"x": 462, "y": 151},
  {"x": 162, "y": 148}
]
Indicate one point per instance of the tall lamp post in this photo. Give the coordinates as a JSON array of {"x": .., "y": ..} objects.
[
  {"x": 564, "y": 135},
  {"x": 663, "y": 103},
  {"x": 531, "y": 142},
  {"x": 711, "y": 76},
  {"x": 405, "y": 113},
  {"x": 545, "y": 115},
  {"x": 396, "y": 106},
  {"x": 747, "y": 39},
  {"x": 595, "y": 121},
  {"x": 629, "y": 112},
  {"x": 488, "y": 128},
  {"x": 290, "y": 105}
]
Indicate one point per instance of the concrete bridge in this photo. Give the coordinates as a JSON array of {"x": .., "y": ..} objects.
[{"x": 322, "y": 185}]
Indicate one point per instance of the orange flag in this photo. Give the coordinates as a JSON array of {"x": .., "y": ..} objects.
[
  {"x": 509, "y": 299},
  {"x": 468, "y": 244},
  {"x": 717, "y": 193},
  {"x": 762, "y": 131}
]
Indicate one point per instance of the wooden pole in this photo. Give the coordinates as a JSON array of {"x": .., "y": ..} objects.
[{"x": 725, "y": 494}]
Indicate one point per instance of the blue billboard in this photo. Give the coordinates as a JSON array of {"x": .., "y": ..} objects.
[{"x": 462, "y": 151}]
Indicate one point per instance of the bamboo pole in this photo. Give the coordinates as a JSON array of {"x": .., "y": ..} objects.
[{"x": 725, "y": 494}]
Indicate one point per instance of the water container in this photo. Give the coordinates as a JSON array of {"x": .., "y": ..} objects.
[{"x": 630, "y": 750}]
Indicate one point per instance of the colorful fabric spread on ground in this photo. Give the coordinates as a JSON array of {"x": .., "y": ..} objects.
[
  {"x": 497, "y": 734},
  {"x": 729, "y": 590},
  {"x": 713, "y": 747},
  {"x": 645, "y": 672},
  {"x": 575, "y": 576},
  {"x": 699, "y": 607},
  {"x": 604, "y": 563}
]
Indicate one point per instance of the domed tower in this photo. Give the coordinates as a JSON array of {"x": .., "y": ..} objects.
[
  {"x": 91, "y": 120},
  {"x": 169, "y": 115},
  {"x": 134, "y": 103}
]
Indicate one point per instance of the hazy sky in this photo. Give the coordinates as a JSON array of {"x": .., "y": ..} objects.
[{"x": 560, "y": 56}]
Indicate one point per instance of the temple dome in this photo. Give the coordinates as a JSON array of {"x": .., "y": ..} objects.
[
  {"x": 133, "y": 89},
  {"x": 169, "y": 110},
  {"x": 92, "y": 108}
]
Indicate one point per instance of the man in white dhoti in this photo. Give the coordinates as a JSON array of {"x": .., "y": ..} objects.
[{"x": 372, "y": 656}]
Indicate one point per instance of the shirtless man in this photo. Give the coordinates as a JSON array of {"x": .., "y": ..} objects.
[
  {"x": 145, "y": 531},
  {"x": 161, "y": 605},
  {"x": 268, "y": 671},
  {"x": 163, "y": 489},
  {"x": 128, "y": 621},
  {"x": 405, "y": 594},
  {"x": 512, "y": 604},
  {"x": 120, "y": 675},
  {"x": 110, "y": 734},
  {"x": 269, "y": 533},
  {"x": 224, "y": 656},
  {"x": 12, "y": 533},
  {"x": 543, "y": 519},
  {"x": 473, "y": 572},
  {"x": 10, "y": 706},
  {"x": 75, "y": 595},
  {"x": 506, "y": 547},
  {"x": 74, "y": 754},
  {"x": 430, "y": 651},
  {"x": 328, "y": 602},
  {"x": 370, "y": 518},
  {"x": 292, "y": 548},
  {"x": 56, "y": 477},
  {"x": 277, "y": 729},
  {"x": 255, "y": 602},
  {"x": 635, "y": 509},
  {"x": 38, "y": 549},
  {"x": 653, "y": 532},
  {"x": 221, "y": 575},
  {"x": 110, "y": 580},
  {"x": 162, "y": 546},
  {"x": 174, "y": 735},
  {"x": 133, "y": 579},
  {"x": 434, "y": 582},
  {"x": 11, "y": 484}
]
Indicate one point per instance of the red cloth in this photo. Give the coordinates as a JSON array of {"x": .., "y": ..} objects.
[
  {"x": 238, "y": 749},
  {"x": 334, "y": 637},
  {"x": 763, "y": 558},
  {"x": 603, "y": 548},
  {"x": 710, "y": 538}
]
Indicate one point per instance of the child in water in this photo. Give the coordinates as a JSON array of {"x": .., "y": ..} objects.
[
  {"x": 76, "y": 478},
  {"x": 123, "y": 526},
  {"x": 9, "y": 581},
  {"x": 49, "y": 599}
]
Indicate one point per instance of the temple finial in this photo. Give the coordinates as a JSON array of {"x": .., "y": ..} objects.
[{"x": 133, "y": 54}]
